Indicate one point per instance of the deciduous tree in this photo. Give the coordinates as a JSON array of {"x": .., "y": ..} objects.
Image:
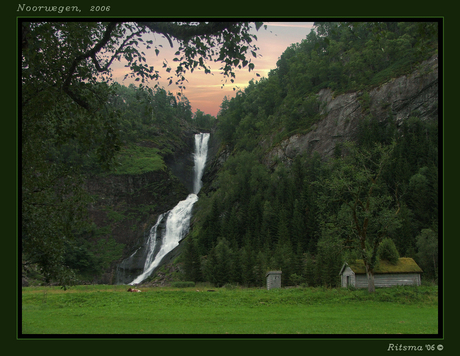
[
  {"x": 368, "y": 210},
  {"x": 427, "y": 244}
]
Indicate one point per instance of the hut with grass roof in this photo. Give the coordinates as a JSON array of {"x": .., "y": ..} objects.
[{"x": 404, "y": 272}]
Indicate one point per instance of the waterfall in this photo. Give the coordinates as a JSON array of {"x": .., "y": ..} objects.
[
  {"x": 201, "y": 152},
  {"x": 151, "y": 243},
  {"x": 177, "y": 219}
]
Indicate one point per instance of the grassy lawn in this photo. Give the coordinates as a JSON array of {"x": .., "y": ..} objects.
[{"x": 111, "y": 310}]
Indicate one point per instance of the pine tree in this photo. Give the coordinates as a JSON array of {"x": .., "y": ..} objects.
[
  {"x": 283, "y": 227},
  {"x": 236, "y": 272},
  {"x": 213, "y": 222},
  {"x": 269, "y": 223},
  {"x": 284, "y": 257},
  {"x": 248, "y": 263},
  {"x": 298, "y": 229},
  {"x": 230, "y": 227},
  {"x": 192, "y": 265},
  {"x": 210, "y": 267},
  {"x": 309, "y": 206},
  {"x": 299, "y": 261},
  {"x": 309, "y": 270},
  {"x": 329, "y": 257},
  {"x": 260, "y": 268},
  {"x": 406, "y": 233},
  {"x": 223, "y": 265}
]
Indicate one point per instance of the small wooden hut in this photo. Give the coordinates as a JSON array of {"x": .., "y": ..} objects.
[
  {"x": 273, "y": 279},
  {"x": 405, "y": 272}
]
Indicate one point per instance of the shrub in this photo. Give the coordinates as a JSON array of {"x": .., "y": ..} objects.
[
  {"x": 387, "y": 251},
  {"x": 296, "y": 279}
]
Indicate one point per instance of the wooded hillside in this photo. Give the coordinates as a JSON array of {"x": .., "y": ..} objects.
[
  {"x": 99, "y": 159},
  {"x": 310, "y": 213}
]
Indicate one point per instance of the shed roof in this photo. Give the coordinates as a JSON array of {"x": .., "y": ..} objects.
[{"x": 404, "y": 265}]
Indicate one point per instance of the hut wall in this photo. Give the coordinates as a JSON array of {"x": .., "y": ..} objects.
[
  {"x": 361, "y": 281},
  {"x": 389, "y": 280},
  {"x": 273, "y": 280},
  {"x": 401, "y": 279},
  {"x": 348, "y": 277}
]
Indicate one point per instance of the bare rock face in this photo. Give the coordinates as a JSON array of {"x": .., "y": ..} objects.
[
  {"x": 127, "y": 206},
  {"x": 181, "y": 163},
  {"x": 217, "y": 156},
  {"x": 124, "y": 199},
  {"x": 410, "y": 95}
]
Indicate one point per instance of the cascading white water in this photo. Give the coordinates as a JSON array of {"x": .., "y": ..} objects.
[
  {"x": 201, "y": 152},
  {"x": 178, "y": 219},
  {"x": 177, "y": 225},
  {"x": 152, "y": 242}
]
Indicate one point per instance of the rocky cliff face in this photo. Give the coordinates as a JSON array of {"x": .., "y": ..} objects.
[
  {"x": 415, "y": 94},
  {"x": 127, "y": 206},
  {"x": 181, "y": 163},
  {"x": 217, "y": 155},
  {"x": 409, "y": 95}
]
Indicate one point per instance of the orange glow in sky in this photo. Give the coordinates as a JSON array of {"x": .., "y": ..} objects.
[{"x": 204, "y": 90}]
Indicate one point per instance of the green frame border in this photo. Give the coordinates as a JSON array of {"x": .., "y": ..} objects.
[{"x": 366, "y": 345}]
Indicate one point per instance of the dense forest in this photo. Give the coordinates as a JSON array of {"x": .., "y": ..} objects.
[
  {"x": 299, "y": 218},
  {"x": 376, "y": 194}
]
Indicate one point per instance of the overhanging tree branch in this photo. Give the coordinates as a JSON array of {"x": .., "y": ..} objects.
[
  {"x": 184, "y": 32},
  {"x": 117, "y": 52},
  {"x": 89, "y": 54}
]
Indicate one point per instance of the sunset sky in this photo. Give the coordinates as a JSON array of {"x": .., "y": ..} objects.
[{"x": 204, "y": 90}]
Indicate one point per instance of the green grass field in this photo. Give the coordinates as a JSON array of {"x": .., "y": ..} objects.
[{"x": 111, "y": 310}]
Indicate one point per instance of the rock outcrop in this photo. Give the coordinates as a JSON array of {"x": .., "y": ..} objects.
[
  {"x": 181, "y": 162},
  {"x": 409, "y": 95},
  {"x": 127, "y": 206}
]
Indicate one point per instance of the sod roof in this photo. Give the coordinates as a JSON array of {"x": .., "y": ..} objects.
[{"x": 404, "y": 265}]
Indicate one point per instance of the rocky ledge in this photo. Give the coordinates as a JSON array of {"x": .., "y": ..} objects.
[{"x": 409, "y": 95}]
